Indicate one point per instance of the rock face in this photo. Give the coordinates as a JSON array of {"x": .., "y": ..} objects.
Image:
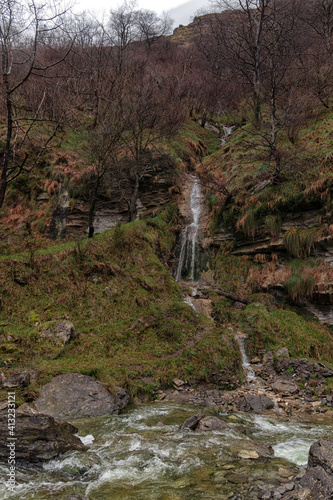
[
  {"x": 74, "y": 395},
  {"x": 39, "y": 438}
]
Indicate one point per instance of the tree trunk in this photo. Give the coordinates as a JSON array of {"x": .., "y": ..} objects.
[
  {"x": 134, "y": 199},
  {"x": 6, "y": 153}
]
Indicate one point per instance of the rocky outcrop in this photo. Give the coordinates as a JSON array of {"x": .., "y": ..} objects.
[
  {"x": 71, "y": 220},
  {"x": 38, "y": 438},
  {"x": 74, "y": 395}
]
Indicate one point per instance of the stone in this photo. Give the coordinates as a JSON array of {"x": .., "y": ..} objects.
[
  {"x": 284, "y": 387},
  {"x": 47, "y": 334},
  {"x": 2, "y": 378},
  {"x": 178, "y": 384},
  {"x": 65, "y": 331},
  {"x": 192, "y": 422},
  {"x": 17, "y": 380},
  {"x": 73, "y": 395},
  {"x": 301, "y": 494},
  {"x": 254, "y": 402},
  {"x": 237, "y": 478},
  {"x": 319, "y": 473},
  {"x": 321, "y": 454},
  {"x": 267, "y": 357},
  {"x": 255, "y": 360},
  {"x": 211, "y": 424},
  {"x": 38, "y": 438},
  {"x": 282, "y": 353},
  {"x": 27, "y": 409},
  {"x": 247, "y": 448}
]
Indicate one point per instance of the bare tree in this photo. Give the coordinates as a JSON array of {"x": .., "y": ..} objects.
[{"x": 25, "y": 28}]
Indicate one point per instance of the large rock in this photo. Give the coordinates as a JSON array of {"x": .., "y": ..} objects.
[
  {"x": 319, "y": 473},
  {"x": 254, "y": 402},
  {"x": 74, "y": 395},
  {"x": 212, "y": 424},
  {"x": 38, "y": 438},
  {"x": 284, "y": 387},
  {"x": 192, "y": 422}
]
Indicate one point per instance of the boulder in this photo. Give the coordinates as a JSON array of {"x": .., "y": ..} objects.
[
  {"x": 38, "y": 438},
  {"x": 284, "y": 387},
  {"x": 212, "y": 424},
  {"x": 65, "y": 331},
  {"x": 319, "y": 472},
  {"x": 254, "y": 402},
  {"x": 192, "y": 422},
  {"x": 74, "y": 395}
]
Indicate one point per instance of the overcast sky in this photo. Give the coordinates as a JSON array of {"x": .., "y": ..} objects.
[{"x": 180, "y": 11}]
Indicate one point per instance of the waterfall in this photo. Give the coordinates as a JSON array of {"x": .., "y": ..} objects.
[
  {"x": 190, "y": 232},
  {"x": 248, "y": 370}
]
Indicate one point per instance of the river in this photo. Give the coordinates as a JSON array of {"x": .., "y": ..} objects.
[{"x": 141, "y": 454}]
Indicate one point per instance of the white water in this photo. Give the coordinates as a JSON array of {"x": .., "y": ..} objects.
[
  {"x": 248, "y": 370},
  {"x": 226, "y": 131},
  {"x": 190, "y": 232},
  {"x": 133, "y": 457}
]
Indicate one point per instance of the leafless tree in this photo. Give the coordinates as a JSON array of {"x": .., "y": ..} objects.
[{"x": 25, "y": 29}]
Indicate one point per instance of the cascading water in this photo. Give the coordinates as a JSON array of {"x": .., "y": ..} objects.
[
  {"x": 250, "y": 375},
  {"x": 190, "y": 234}
]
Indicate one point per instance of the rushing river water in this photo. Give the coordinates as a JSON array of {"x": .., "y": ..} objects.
[{"x": 141, "y": 454}]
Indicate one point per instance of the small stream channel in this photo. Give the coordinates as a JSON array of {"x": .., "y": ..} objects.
[{"x": 141, "y": 454}]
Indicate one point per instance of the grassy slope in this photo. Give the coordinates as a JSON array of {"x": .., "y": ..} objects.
[
  {"x": 307, "y": 182},
  {"x": 133, "y": 327}
]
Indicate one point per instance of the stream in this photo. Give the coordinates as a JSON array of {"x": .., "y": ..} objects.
[{"x": 141, "y": 454}]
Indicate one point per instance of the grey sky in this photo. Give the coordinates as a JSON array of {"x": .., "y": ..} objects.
[{"x": 180, "y": 11}]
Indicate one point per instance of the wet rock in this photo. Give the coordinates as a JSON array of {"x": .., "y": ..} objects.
[
  {"x": 17, "y": 380},
  {"x": 247, "y": 448},
  {"x": 237, "y": 478},
  {"x": 212, "y": 424},
  {"x": 74, "y": 395},
  {"x": 65, "y": 331},
  {"x": 284, "y": 387},
  {"x": 38, "y": 438},
  {"x": 192, "y": 422}
]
